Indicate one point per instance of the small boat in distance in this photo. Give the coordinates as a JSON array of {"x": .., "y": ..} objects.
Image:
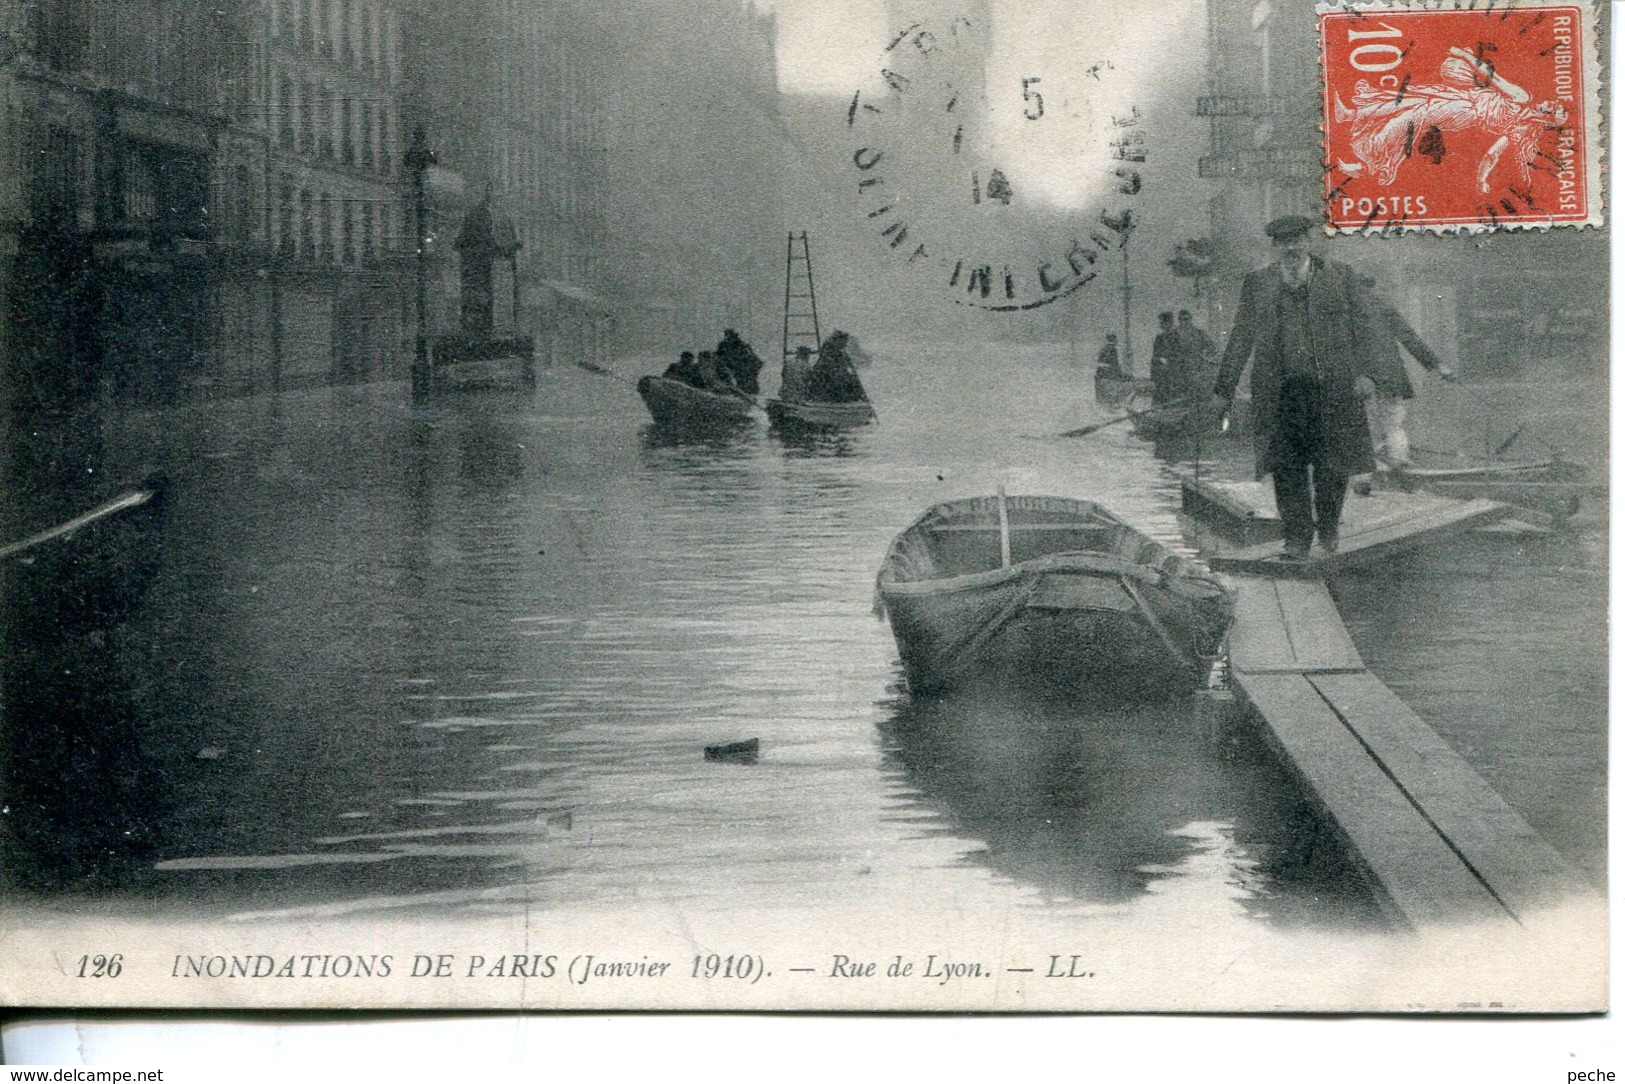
[
  {"x": 679, "y": 405},
  {"x": 1114, "y": 386},
  {"x": 1050, "y": 591}
]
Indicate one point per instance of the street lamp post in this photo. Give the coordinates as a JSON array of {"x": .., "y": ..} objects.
[
  {"x": 1128, "y": 308},
  {"x": 1123, "y": 225},
  {"x": 418, "y": 160}
]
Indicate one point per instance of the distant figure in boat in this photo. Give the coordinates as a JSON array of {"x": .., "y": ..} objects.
[
  {"x": 1108, "y": 359},
  {"x": 795, "y": 375},
  {"x": 686, "y": 370},
  {"x": 1385, "y": 410},
  {"x": 739, "y": 361},
  {"x": 713, "y": 377},
  {"x": 1167, "y": 363},
  {"x": 833, "y": 378}
]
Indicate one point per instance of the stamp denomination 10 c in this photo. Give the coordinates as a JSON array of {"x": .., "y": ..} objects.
[{"x": 1465, "y": 118}]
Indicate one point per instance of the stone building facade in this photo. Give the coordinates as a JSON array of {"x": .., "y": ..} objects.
[
  {"x": 215, "y": 188},
  {"x": 338, "y": 222}
]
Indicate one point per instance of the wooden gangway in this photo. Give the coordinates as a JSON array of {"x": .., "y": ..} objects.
[
  {"x": 1375, "y": 527},
  {"x": 1432, "y": 839}
]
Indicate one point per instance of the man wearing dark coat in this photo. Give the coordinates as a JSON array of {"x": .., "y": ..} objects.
[
  {"x": 736, "y": 356},
  {"x": 1167, "y": 368},
  {"x": 1308, "y": 326},
  {"x": 833, "y": 378}
]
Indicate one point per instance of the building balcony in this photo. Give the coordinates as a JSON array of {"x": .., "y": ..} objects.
[
  {"x": 1252, "y": 105},
  {"x": 1264, "y": 164}
]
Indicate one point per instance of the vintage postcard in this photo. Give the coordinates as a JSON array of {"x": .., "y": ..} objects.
[{"x": 945, "y": 505}]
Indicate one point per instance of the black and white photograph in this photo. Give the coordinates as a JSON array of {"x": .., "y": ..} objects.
[{"x": 811, "y": 505}]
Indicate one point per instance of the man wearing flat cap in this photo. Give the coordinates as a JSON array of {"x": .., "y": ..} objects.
[{"x": 1305, "y": 323}]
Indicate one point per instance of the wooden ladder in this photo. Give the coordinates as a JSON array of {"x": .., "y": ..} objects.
[{"x": 798, "y": 287}]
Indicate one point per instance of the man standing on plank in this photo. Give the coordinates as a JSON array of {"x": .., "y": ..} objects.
[{"x": 1308, "y": 326}]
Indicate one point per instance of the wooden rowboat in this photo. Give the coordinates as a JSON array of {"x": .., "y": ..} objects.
[
  {"x": 1554, "y": 487},
  {"x": 809, "y": 414},
  {"x": 1047, "y": 590},
  {"x": 674, "y": 403},
  {"x": 1113, "y": 386}
]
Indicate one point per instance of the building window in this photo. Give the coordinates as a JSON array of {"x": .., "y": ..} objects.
[
  {"x": 369, "y": 51},
  {"x": 387, "y": 158},
  {"x": 243, "y": 200},
  {"x": 369, "y": 156},
  {"x": 60, "y": 30},
  {"x": 284, "y": 110},
  {"x": 369, "y": 242},
  {"x": 329, "y": 206},
  {"x": 347, "y": 212},
  {"x": 347, "y": 131},
  {"x": 307, "y": 225},
  {"x": 307, "y": 119},
  {"x": 285, "y": 218},
  {"x": 326, "y": 120},
  {"x": 54, "y": 192}
]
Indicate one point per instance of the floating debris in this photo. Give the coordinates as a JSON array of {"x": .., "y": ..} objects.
[{"x": 735, "y": 752}]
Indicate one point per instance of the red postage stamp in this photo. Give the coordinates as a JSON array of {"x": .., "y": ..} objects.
[{"x": 1464, "y": 118}]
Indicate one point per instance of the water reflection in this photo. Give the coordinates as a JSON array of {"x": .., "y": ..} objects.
[
  {"x": 469, "y": 657},
  {"x": 804, "y": 443},
  {"x": 1102, "y": 806}
]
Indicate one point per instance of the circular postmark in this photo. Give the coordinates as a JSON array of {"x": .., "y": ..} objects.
[{"x": 1004, "y": 181}]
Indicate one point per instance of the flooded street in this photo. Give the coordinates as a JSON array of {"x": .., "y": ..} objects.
[{"x": 465, "y": 660}]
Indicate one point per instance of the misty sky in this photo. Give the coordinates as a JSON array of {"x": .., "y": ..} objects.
[{"x": 1150, "y": 56}]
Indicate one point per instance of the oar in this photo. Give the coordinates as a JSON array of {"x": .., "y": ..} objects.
[
  {"x": 594, "y": 367},
  {"x": 118, "y": 504},
  {"x": 1506, "y": 444},
  {"x": 1489, "y": 408},
  {"x": 1130, "y": 416}
]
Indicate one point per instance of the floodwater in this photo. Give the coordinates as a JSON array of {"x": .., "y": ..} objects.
[{"x": 452, "y": 661}]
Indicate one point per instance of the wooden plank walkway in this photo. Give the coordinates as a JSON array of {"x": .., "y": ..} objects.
[
  {"x": 1435, "y": 843},
  {"x": 1288, "y": 626},
  {"x": 1374, "y": 528}
]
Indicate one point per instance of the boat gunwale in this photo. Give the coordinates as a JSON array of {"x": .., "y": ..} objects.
[
  {"x": 1174, "y": 565},
  {"x": 719, "y": 402},
  {"x": 861, "y": 412},
  {"x": 1088, "y": 562}
]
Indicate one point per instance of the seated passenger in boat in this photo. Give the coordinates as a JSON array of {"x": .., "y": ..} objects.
[
  {"x": 795, "y": 375},
  {"x": 713, "y": 377},
  {"x": 1107, "y": 358},
  {"x": 685, "y": 370},
  {"x": 740, "y": 361},
  {"x": 833, "y": 378}
]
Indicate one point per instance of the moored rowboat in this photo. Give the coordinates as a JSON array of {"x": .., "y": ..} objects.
[
  {"x": 1050, "y": 590},
  {"x": 810, "y": 414},
  {"x": 674, "y": 403},
  {"x": 1113, "y": 386}
]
